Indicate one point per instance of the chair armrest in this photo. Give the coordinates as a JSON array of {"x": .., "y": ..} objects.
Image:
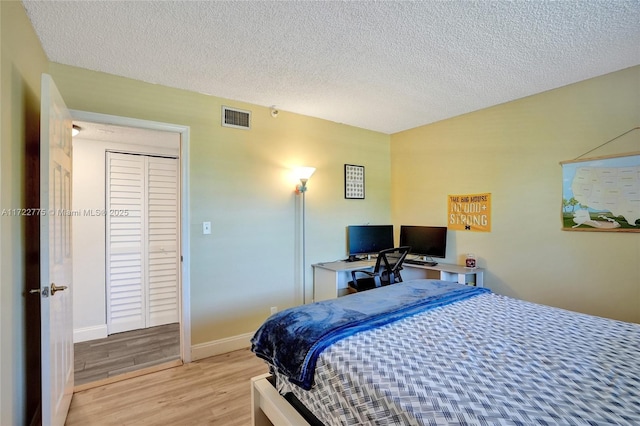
[{"x": 368, "y": 273}]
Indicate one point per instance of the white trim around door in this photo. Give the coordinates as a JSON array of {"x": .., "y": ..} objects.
[{"x": 185, "y": 214}]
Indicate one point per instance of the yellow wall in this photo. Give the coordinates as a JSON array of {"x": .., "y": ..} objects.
[
  {"x": 22, "y": 64},
  {"x": 513, "y": 151},
  {"x": 241, "y": 181}
]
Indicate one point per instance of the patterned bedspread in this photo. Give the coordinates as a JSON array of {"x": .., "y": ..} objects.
[
  {"x": 291, "y": 340},
  {"x": 487, "y": 360}
]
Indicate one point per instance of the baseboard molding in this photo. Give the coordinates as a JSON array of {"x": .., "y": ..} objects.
[
  {"x": 90, "y": 333},
  {"x": 222, "y": 346}
]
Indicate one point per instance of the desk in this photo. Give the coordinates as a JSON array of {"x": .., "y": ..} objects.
[
  {"x": 330, "y": 279},
  {"x": 448, "y": 272}
]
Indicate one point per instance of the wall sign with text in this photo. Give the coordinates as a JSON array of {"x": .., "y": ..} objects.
[{"x": 469, "y": 212}]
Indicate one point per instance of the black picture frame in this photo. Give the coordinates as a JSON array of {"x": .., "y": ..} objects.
[{"x": 353, "y": 182}]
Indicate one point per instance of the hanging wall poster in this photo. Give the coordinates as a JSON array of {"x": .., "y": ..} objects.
[
  {"x": 470, "y": 212},
  {"x": 601, "y": 194},
  {"x": 353, "y": 181}
]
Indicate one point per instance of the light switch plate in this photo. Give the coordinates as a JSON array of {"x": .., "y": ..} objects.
[{"x": 206, "y": 228}]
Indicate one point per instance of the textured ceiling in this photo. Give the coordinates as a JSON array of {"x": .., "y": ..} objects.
[{"x": 385, "y": 66}]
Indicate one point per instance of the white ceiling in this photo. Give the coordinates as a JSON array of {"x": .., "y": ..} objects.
[{"x": 387, "y": 66}]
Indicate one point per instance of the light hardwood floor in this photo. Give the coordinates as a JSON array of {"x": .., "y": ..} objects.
[
  {"x": 126, "y": 352},
  {"x": 211, "y": 391}
]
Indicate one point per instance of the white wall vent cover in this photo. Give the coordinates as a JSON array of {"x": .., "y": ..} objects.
[{"x": 236, "y": 118}]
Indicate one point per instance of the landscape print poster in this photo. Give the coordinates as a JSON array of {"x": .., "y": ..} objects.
[{"x": 601, "y": 194}]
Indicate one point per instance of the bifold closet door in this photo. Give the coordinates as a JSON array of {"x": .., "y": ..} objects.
[
  {"x": 142, "y": 241},
  {"x": 162, "y": 230},
  {"x": 126, "y": 240}
]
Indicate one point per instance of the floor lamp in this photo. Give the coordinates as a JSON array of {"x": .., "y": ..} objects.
[{"x": 303, "y": 173}]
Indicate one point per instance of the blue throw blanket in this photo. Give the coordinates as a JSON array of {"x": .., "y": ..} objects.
[{"x": 291, "y": 340}]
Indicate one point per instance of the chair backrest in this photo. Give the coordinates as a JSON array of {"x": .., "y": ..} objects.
[{"x": 389, "y": 264}]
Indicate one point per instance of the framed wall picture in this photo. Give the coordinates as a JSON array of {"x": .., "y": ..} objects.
[{"x": 353, "y": 182}]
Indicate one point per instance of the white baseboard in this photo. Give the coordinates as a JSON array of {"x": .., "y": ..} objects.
[
  {"x": 89, "y": 333},
  {"x": 222, "y": 346}
]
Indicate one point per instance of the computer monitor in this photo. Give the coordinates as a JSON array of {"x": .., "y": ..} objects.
[
  {"x": 425, "y": 241},
  {"x": 368, "y": 239}
]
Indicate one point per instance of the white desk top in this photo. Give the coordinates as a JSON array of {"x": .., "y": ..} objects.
[
  {"x": 446, "y": 267},
  {"x": 341, "y": 265}
]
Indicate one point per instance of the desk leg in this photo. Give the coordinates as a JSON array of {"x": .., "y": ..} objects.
[
  {"x": 479, "y": 279},
  {"x": 325, "y": 284},
  {"x": 449, "y": 276}
]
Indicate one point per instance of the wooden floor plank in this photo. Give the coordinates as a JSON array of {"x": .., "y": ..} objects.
[
  {"x": 122, "y": 353},
  {"x": 213, "y": 391}
]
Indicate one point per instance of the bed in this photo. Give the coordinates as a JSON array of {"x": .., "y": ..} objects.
[{"x": 430, "y": 352}]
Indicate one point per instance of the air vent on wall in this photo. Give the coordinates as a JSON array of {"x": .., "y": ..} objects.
[{"x": 236, "y": 118}]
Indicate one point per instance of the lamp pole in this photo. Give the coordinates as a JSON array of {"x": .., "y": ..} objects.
[
  {"x": 304, "y": 173},
  {"x": 304, "y": 246}
]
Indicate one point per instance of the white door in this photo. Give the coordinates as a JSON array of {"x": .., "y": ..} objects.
[
  {"x": 125, "y": 248},
  {"x": 55, "y": 255},
  {"x": 163, "y": 240},
  {"x": 142, "y": 254}
]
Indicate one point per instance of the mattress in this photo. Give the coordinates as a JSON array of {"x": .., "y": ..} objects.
[{"x": 484, "y": 360}]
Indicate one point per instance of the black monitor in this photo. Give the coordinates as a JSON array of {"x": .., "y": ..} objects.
[
  {"x": 426, "y": 241},
  {"x": 368, "y": 239}
]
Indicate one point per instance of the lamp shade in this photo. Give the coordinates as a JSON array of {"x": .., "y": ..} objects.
[{"x": 303, "y": 173}]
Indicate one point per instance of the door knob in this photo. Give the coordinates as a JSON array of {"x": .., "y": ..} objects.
[{"x": 55, "y": 288}]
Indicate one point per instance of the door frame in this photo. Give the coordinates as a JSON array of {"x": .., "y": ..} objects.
[{"x": 185, "y": 212}]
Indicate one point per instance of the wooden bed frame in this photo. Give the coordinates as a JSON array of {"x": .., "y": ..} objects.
[{"x": 268, "y": 407}]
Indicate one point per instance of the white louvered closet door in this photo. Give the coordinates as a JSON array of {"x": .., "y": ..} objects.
[
  {"x": 163, "y": 220},
  {"x": 142, "y": 241},
  {"x": 125, "y": 235}
]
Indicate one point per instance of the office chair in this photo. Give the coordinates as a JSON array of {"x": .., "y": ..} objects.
[{"x": 386, "y": 271}]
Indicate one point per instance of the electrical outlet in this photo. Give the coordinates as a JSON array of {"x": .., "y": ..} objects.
[
  {"x": 274, "y": 309},
  {"x": 206, "y": 228}
]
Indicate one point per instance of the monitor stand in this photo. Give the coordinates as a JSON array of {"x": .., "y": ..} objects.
[
  {"x": 352, "y": 258},
  {"x": 429, "y": 261}
]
